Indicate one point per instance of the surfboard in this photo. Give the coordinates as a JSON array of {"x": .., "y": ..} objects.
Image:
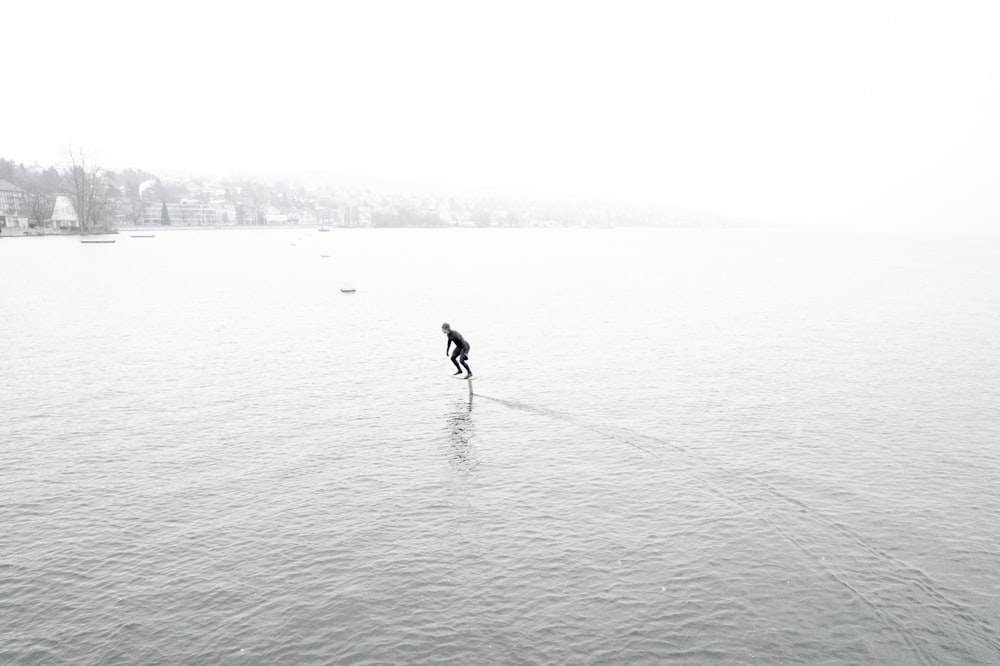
[{"x": 464, "y": 377}]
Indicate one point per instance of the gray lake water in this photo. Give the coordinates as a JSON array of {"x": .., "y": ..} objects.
[{"x": 686, "y": 446}]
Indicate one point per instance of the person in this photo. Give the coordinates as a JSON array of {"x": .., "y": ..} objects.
[{"x": 461, "y": 352}]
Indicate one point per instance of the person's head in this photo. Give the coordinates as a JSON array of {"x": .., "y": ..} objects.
[{"x": 445, "y": 328}]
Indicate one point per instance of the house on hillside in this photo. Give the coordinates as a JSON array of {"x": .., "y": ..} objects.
[
  {"x": 12, "y": 206},
  {"x": 64, "y": 214}
]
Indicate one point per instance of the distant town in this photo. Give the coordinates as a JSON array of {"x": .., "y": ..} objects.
[{"x": 82, "y": 197}]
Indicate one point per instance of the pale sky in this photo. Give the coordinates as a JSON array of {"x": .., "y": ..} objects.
[{"x": 871, "y": 113}]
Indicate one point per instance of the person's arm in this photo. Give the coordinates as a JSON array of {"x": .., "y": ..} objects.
[{"x": 447, "y": 347}]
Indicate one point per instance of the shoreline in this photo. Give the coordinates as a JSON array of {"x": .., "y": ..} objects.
[{"x": 35, "y": 233}]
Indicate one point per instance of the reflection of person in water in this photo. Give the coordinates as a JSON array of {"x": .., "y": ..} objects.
[{"x": 461, "y": 453}]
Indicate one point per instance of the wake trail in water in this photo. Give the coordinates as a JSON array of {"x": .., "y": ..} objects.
[
  {"x": 568, "y": 418},
  {"x": 891, "y": 582}
]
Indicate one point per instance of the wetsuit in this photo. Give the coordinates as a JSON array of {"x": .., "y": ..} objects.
[{"x": 461, "y": 352}]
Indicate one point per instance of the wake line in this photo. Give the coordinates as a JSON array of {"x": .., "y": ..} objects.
[
  {"x": 898, "y": 570},
  {"x": 568, "y": 418},
  {"x": 903, "y": 571}
]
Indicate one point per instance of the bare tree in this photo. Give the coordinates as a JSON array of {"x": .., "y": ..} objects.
[
  {"x": 36, "y": 202},
  {"x": 89, "y": 190},
  {"x": 37, "y": 206}
]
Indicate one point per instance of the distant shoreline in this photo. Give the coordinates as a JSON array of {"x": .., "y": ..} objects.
[{"x": 35, "y": 233}]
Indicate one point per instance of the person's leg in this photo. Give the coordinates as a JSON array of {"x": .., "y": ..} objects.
[
  {"x": 454, "y": 359},
  {"x": 465, "y": 358}
]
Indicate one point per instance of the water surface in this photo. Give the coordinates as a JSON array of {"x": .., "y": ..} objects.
[{"x": 687, "y": 446}]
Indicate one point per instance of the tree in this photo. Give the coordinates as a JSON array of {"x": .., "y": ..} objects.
[
  {"x": 37, "y": 206},
  {"x": 89, "y": 190},
  {"x": 48, "y": 181},
  {"x": 257, "y": 198},
  {"x": 7, "y": 168},
  {"x": 512, "y": 219},
  {"x": 135, "y": 186},
  {"x": 482, "y": 218},
  {"x": 164, "y": 215},
  {"x": 37, "y": 199}
]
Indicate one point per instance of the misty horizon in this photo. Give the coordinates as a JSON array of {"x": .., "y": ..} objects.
[{"x": 861, "y": 114}]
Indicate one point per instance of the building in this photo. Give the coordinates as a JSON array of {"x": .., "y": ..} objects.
[
  {"x": 12, "y": 206},
  {"x": 183, "y": 214},
  {"x": 64, "y": 214},
  {"x": 274, "y": 217},
  {"x": 226, "y": 212}
]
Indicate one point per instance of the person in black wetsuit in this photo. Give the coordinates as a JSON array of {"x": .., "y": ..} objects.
[{"x": 461, "y": 352}]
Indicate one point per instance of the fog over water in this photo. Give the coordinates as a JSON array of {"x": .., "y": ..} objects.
[{"x": 689, "y": 446}]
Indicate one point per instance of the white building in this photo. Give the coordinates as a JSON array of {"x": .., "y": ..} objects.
[
  {"x": 184, "y": 214},
  {"x": 64, "y": 214}
]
